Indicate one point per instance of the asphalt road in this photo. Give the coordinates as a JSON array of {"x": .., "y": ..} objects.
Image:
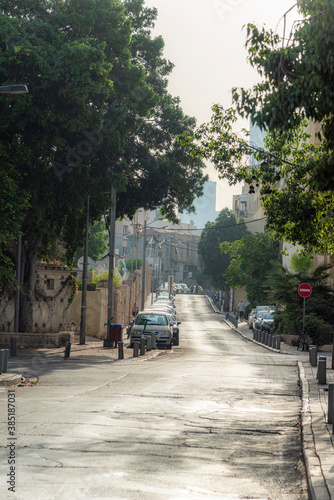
[{"x": 215, "y": 418}]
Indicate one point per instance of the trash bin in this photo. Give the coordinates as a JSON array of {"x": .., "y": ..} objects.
[{"x": 116, "y": 333}]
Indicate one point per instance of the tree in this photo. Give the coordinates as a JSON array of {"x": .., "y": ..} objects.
[
  {"x": 252, "y": 258},
  {"x": 97, "y": 243},
  {"x": 295, "y": 209},
  {"x": 296, "y": 86},
  {"x": 226, "y": 228},
  {"x": 319, "y": 317},
  {"x": 297, "y": 78},
  {"x": 97, "y": 115}
]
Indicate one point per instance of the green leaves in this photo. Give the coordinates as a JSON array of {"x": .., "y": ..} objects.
[{"x": 216, "y": 236}]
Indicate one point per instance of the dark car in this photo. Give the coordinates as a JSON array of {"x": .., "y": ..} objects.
[
  {"x": 267, "y": 321},
  {"x": 258, "y": 310},
  {"x": 259, "y": 318}
]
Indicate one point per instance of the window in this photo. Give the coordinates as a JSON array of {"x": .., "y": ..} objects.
[{"x": 50, "y": 284}]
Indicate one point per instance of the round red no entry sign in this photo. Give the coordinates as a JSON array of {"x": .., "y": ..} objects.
[{"x": 304, "y": 290}]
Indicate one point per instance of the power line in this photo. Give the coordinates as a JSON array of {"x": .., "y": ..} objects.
[{"x": 218, "y": 227}]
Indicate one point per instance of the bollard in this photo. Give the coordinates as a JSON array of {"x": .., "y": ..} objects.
[
  {"x": 149, "y": 343},
  {"x": 266, "y": 338},
  {"x": 135, "y": 349},
  {"x": 142, "y": 346},
  {"x": 254, "y": 334},
  {"x": 278, "y": 342},
  {"x": 313, "y": 356},
  {"x": 319, "y": 359},
  {"x": 270, "y": 340},
  {"x": 310, "y": 347},
  {"x": 330, "y": 403},
  {"x": 13, "y": 346},
  {"x": 5, "y": 360},
  {"x": 1, "y": 362},
  {"x": 67, "y": 350},
  {"x": 322, "y": 371},
  {"x": 263, "y": 337},
  {"x": 273, "y": 342},
  {"x": 120, "y": 350},
  {"x": 154, "y": 341}
]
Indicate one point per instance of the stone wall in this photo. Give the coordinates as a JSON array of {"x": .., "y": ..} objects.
[
  {"x": 48, "y": 340},
  {"x": 52, "y": 307}
]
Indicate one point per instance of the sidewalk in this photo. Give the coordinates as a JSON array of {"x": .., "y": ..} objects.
[
  {"x": 24, "y": 369},
  {"x": 317, "y": 435}
]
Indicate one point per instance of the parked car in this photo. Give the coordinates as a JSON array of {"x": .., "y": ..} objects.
[
  {"x": 152, "y": 322},
  {"x": 250, "y": 318},
  {"x": 258, "y": 320},
  {"x": 257, "y": 311},
  {"x": 184, "y": 288},
  {"x": 267, "y": 321},
  {"x": 162, "y": 307}
]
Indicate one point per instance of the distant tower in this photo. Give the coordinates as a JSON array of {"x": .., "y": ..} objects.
[{"x": 205, "y": 207}]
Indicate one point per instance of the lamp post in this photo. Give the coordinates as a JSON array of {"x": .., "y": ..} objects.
[
  {"x": 13, "y": 89},
  {"x": 143, "y": 270},
  {"x": 16, "y": 89}
]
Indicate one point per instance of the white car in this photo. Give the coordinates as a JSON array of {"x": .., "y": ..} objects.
[{"x": 152, "y": 323}]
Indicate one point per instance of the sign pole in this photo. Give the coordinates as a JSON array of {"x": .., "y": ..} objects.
[{"x": 304, "y": 291}]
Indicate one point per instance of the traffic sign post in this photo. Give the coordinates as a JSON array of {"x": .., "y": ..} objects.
[{"x": 304, "y": 291}]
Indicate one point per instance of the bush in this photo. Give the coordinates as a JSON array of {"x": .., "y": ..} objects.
[{"x": 318, "y": 330}]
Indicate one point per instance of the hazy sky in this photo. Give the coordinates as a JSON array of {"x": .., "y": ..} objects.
[{"x": 205, "y": 41}]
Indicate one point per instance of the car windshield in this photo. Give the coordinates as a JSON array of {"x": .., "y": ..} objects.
[
  {"x": 269, "y": 315},
  {"x": 262, "y": 314},
  {"x": 152, "y": 319}
]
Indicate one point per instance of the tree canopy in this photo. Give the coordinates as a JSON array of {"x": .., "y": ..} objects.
[
  {"x": 251, "y": 259},
  {"x": 293, "y": 171},
  {"x": 283, "y": 171},
  {"x": 226, "y": 228},
  {"x": 98, "y": 114}
]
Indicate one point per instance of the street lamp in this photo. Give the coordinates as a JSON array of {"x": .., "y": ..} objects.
[
  {"x": 13, "y": 89},
  {"x": 16, "y": 89}
]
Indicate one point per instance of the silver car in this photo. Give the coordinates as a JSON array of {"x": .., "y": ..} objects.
[{"x": 152, "y": 323}]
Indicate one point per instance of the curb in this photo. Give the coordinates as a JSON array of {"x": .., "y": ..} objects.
[
  {"x": 7, "y": 380},
  {"x": 315, "y": 479}
]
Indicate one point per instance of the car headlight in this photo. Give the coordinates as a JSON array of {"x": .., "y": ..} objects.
[{"x": 136, "y": 331}]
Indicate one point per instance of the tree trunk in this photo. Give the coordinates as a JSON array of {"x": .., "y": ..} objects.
[
  {"x": 30, "y": 252},
  {"x": 226, "y": 298}
]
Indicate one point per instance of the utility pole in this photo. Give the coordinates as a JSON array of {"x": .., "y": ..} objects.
[
  {"x": 84, "y": 281},
  {"x": 111, "y": 259},
  {"x": 18, "y": 283},
  {"x": 143, "y": 270}
]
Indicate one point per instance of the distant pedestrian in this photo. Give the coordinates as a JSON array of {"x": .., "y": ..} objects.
[
  {"x": 192, "y": 289},
  {"x": 196, "y": 288},
  {"x": 241, "y": 310},
  {"x": 135, "y": 310}
]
